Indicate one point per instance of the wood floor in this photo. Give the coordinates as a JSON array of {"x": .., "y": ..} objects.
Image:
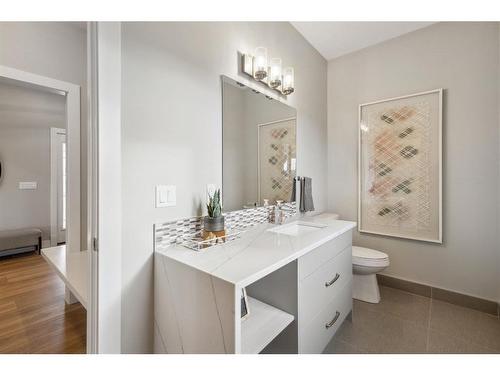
[{"x": 33, "y": 315}]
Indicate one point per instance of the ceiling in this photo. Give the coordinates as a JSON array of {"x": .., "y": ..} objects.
[{"x": 334, "y": 39}]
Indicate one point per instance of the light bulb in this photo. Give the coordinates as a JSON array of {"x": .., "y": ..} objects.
[
  {"x": 288, "y": 81},
  {"x": 260, "y": 63},
  {"x": 275, "y": 73}
]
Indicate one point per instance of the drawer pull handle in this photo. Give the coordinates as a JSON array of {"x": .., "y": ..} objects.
[
  {"x": 328, "y": 283},
  {"x": 332, "y": 322}
]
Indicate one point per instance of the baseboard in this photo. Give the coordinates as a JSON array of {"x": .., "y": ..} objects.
[
  {"x": 464, "y": 300},
  {"x": 20, "y": 250}
]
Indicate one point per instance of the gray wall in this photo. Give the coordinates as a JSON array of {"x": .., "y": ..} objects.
[
  {"x": 56, "y": 50},
  {"x": 172, "y": 124},
  {"x": 462, "y": 58},
  {"x": 26, "y": 116}
]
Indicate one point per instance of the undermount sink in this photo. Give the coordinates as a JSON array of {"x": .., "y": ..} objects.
[{"x": 297, "y": 228}]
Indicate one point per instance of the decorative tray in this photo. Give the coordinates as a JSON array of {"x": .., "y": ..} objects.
[{"x": 197, "y": 243}]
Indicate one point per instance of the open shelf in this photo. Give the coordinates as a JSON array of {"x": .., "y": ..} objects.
[
  {"x": 264, "y": 323},
  {"x": 72, "y": 268}
]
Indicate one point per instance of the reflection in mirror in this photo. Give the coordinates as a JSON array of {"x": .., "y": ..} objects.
[{"x": 259, "y": 148}]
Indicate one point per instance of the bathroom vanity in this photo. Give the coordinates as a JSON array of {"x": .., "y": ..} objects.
[{"x": 297, "y": 277}]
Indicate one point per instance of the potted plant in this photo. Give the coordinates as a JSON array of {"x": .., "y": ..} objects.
[{"x": 214, "y": 221}]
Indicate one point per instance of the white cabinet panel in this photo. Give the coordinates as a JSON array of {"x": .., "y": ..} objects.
[
  {"x": 319, "y": 289},
  {"x": 319, "y": 256},
  {"x": 314, "y": 336},
  {"x": 264, "y": 323}
]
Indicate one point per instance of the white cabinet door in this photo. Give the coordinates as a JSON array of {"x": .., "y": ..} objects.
[
  {"x": 314, "y": 337},
  {"x": 319, "y": 289},
  {"x": 310, "y": 262}
]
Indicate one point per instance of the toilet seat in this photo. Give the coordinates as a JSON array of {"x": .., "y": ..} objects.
[{"x": 363, "y": 256}]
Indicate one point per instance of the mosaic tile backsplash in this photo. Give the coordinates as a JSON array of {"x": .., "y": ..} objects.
[{"x": 168, "y": 233}]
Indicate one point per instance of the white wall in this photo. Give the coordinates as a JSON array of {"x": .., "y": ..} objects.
[
  {"x": 56, "y": 50},
  {"x": 105, "y": 78},
  {"x": 171, "y": 132},
  {"x": 26, "y": 116},
  {"x": 462, "y": 58}
]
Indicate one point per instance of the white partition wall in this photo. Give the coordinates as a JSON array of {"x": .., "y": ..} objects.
[{"x": 105, "y": 186}]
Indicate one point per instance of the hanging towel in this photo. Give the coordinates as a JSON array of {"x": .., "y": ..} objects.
[
  {"x": 306, "y": 199},
  {"x": 294, "y": 190}
]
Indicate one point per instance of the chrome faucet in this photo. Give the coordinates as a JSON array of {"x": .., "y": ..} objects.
[{"x": 277, "y": 214}]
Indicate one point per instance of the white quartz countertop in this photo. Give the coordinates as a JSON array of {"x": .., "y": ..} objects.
[{"x": 258, "y": 252}]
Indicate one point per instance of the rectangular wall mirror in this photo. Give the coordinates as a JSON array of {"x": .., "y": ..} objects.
[{"x": 259, "y": 147}]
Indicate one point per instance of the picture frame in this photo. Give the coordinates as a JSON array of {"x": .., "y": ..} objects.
[{"x": 400, "y": 167}]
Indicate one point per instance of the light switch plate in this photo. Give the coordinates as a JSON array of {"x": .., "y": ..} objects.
[
  {"x": 28, "y": 185},
  {"x": 166, "y": 196}
]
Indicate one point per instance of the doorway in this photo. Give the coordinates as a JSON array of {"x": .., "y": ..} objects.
[
  {"x": 55, "y": 282},
  {"x": 58, "y": 182}
]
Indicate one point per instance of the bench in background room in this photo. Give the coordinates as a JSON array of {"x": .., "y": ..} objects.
[{"x": 20, "y": 241}]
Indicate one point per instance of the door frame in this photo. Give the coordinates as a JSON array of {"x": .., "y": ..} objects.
[
  {"x": 104, "y": 186},
  {"x": 72, "y": 93},
  {"x": 54, "y": 187}
]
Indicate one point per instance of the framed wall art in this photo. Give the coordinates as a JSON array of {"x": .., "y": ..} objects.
[{"x": 400, "y": 167}]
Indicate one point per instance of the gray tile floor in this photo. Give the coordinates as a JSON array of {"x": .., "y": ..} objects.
[{"x": 408, "y": 323}]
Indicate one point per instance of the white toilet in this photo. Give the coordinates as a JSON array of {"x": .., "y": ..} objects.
[{"x": 366, "y": 263}]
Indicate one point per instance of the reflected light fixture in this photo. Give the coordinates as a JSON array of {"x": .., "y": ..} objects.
[
  {"x": 288, "y": 81},
  {"x": 269, "y": 72},
  {"x": 275, "y": 73}
]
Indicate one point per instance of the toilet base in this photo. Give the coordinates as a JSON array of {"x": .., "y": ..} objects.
[{"x": 365, "y": 288}]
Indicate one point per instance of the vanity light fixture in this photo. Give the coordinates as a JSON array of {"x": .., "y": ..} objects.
[{"x": 269, "y": 72}]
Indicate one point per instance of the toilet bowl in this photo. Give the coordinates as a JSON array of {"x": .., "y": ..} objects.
[{"x": 366, "y": 263}]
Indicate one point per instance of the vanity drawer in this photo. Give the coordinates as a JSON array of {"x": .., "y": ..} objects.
[
  {"x": 319, "y": 289},
  {"x": 319, "y": 256},
  {"x": 314, "y": 336}
]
